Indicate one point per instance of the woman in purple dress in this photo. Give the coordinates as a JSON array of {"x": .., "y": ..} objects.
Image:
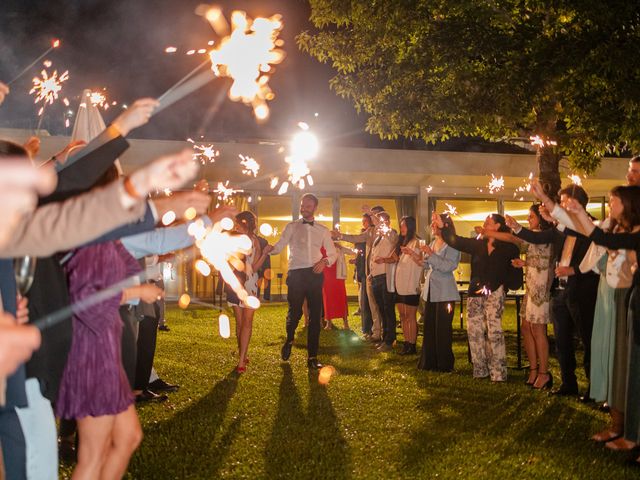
[{"x": 94, "y": 389}]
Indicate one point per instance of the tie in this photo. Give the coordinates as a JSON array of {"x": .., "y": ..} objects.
[{"x": 304, "y": 222}]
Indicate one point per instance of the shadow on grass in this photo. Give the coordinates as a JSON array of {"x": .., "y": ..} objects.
[
  {"x": 169, "y": 449},
  {"x": 293, "y": 450}
]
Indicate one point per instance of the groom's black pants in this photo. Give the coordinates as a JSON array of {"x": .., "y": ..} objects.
[{"x": 304, "y": 284}]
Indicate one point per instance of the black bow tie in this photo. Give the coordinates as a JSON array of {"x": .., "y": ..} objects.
[{"x": 304, "y": 222}]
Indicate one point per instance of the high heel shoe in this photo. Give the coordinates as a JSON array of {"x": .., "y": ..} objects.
[
  {"x": 547, "y": 385},
  {"x": 527, "y": 382}
]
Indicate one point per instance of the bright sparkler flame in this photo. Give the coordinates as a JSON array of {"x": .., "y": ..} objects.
[
  {"x": 245, "y": 55},
  {"x": 524, "y": 188},
  {"x": 250, "y": 166},
  {"x": 304, "y": 146},
  {"x": 170, "y": 50},
  {"x": 266, "y": 230},
  {"x": 359, "y": 186},
  {"x": 47, "y": 88},
  {"x": 429, "y": 188},
  {"x": 98, "y": 99},
  {"x": 451, "y": 210},
  {"x": 495, "y": 184},
  {"x": 538, "y": 141},
  {"x": 225, "y": 192},
  {"x": 55, "y": 44},
  {"x": 204, "y": 153},
  {"x": 575, "y": 179}
]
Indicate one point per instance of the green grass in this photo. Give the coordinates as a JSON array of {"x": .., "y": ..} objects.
[{"x": 379, "y": 417}]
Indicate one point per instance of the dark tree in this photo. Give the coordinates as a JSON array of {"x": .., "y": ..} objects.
[{"x": 568, "y": 72}]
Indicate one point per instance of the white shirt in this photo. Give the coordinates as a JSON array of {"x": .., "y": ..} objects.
[
  {"x": 305, "y": 242},
  {"x": 382, "y": 248},
  {"x": 408, "y": 272}
]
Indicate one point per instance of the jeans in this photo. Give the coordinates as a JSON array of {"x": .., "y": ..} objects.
[
  {"x": 386, "y": 306},
  {"x": 41, "y": 438}
]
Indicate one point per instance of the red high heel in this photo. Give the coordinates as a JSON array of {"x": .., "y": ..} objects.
[{"x": 241, "y": 369}]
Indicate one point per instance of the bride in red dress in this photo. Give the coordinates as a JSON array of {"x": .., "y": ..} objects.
[{"x": 334, "y": 292}]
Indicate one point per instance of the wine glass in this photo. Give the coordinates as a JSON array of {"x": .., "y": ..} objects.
[{"x": 24, "y": 269}]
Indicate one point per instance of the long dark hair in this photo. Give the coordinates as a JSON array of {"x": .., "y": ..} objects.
[
  {"x": 410, "y": 222},
  {"x": 629, "y": 196},
  {"x": 544, "y": 225},
  {"x": 499, "y": 219},
  {"x": 248, "y": 219}
]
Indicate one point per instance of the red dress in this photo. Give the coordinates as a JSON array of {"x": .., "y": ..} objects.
[{"x": 334, "y": 293}]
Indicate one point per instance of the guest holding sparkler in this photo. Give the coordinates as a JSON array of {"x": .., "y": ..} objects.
[
  {"x": 536, "y": 306},
  {"x": 407, "y": 282},
  {"x": 305, "y": 238},
  {"x": 491, "y": 276},
  {"x": 440, "y": 293},
  {"x": 334, "y": 292}
]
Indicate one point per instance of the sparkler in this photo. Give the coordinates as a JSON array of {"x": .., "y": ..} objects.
[
  {"x": 225, "y": 192},
  {"x": 429, "y": 188},
  {"x": 245, "y": 56},
  {"x": 266, "y": 230},
  {"x": 575, "y": 179},
  {"x": 524, "y": 188},
  {"x": 98, "y": 99},
  {"x": 451, "y": 210},
  {"x": 538, "y": 141},
  {"x": 250, "y": 166},
  {"x": 47, "y": 88},
  {"x": 224, "y": 326},
  {"x": 204, "y": 153},
  {"x": 304, "y": 146},
  {"x": 54, "y": 44},
  {"x": 359, "y": 186},
  {"x": 495, "y": 184}
]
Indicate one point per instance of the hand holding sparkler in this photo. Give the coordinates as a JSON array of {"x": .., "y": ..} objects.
[
  {"x": 4, "y": 91},
  {"x": 63, "y": 155},
  {"x": 518, "y": 263},
  {"x": 226, "y": 211},
  {"x": 180, "y": 202},
  {"x": 171, "y": 171},
  {"x": 512, "y": 223},
  {"x": 135, "y": 116},
  {"x": 32, "y": 146}
]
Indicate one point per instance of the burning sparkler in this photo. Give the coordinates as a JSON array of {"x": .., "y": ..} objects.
[
  {"x": 575, "y": 179},
  {"x": 359, "y": 187},
  {"x": 526, "y": 187},
  {"x": 225, "y": 192},
  {"x": 47, "y": 88},
  {"x": 250, "y": 166},
  {"x": 495, "y": 184},
  {"x": 538, "y": 141},
  {"x": 204, "y": 153},
  {"x": 451, "y": 210},
  {"x": 246, "y": 56},
  {"x": 429, "y": 188},
  {"x": 98, "y": 99},
  {"x": 304, "y": 146},
  {"x": 54, "y": 44}
]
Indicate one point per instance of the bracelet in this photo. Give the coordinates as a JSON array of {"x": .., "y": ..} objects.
[{"x": 130, "y": 189}]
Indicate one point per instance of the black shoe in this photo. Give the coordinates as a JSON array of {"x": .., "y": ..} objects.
[
  {"x": 159, "y": 385},
  {"x": 604, "y": 407},
  {"x": 285, "y": 353},
  {"x": 164, "y": 328},
  {"x": 405, "y": 349},
  {"x": 546, "y": 385},
  {"x": 412, "y": 349},
  {"x": 149, "y": 396},
  {"x": 565, "y": 391},
  {"x": 314, "y": 364}
]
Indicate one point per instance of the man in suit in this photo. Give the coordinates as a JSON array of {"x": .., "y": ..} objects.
[{"x": 305, "y": 238}]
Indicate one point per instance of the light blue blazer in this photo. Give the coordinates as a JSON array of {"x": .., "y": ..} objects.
[{"x": 442, "y": 284}]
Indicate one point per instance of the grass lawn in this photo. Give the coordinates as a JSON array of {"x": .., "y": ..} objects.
[{"x": 379, "y": 417}]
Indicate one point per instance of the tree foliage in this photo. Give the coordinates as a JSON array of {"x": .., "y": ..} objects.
[{"x": 432, "y": 69}]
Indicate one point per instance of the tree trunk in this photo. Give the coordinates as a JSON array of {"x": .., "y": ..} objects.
[{"x": 549, "y": 170}]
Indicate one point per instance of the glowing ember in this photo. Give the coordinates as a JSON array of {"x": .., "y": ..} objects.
[
  {"x": 47, "y": 63},
  {"x": 170, "y": 50},
  {"x": 495, "y": 184},
  {"x": 191, "y": 52},
  {"x": 359, "y": 186},
  {"x": 325, "y": 374},
  {"x": 575, "y": 179},
  {"x": 225, "y": 192},
  {"x": 47, "y": 88},
  {"x": 252, "y": 302},
  {"x": 65, "y": 101},
  {"x": 449, "y": 308},
  {"x": 484, "y": 291},
  {"x": 250, "y": 166},
  {"x": 184, "y": 300},
  {"x": 203, "y": 267},
  {"x": 55, "y": 44},
  {"x": 266, "y": 230},
  {"x": 224, "y": 326},
  {"x": 245, "y": 54},
  {"x": 274, "y": 183},
  {"x": 524, "y": 188},
  {"x": 169, "y": 217},
  {"x": 451, "y": 210},
  {"x": 190, "y": 213},
  {"x": 226, "y": 223}
]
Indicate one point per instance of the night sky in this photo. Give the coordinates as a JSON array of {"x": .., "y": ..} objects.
[{"x": 119, "y": 44}]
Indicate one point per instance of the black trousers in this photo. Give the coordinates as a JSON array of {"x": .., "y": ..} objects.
[
  {"x": 129, "y": 342},
  {"x": 437, "y": 344},
  {"x": 304, "y": 284},
  {"x": 573, "y": 311},
  {"x": 146, "y": 350}
]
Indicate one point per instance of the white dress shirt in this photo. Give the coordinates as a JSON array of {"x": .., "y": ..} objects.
[
  {"x": 383, "y": 246},
  {"x": 305, "y": 242}
]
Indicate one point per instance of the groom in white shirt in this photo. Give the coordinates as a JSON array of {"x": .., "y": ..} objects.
[{"x": 305, "y": 238}]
